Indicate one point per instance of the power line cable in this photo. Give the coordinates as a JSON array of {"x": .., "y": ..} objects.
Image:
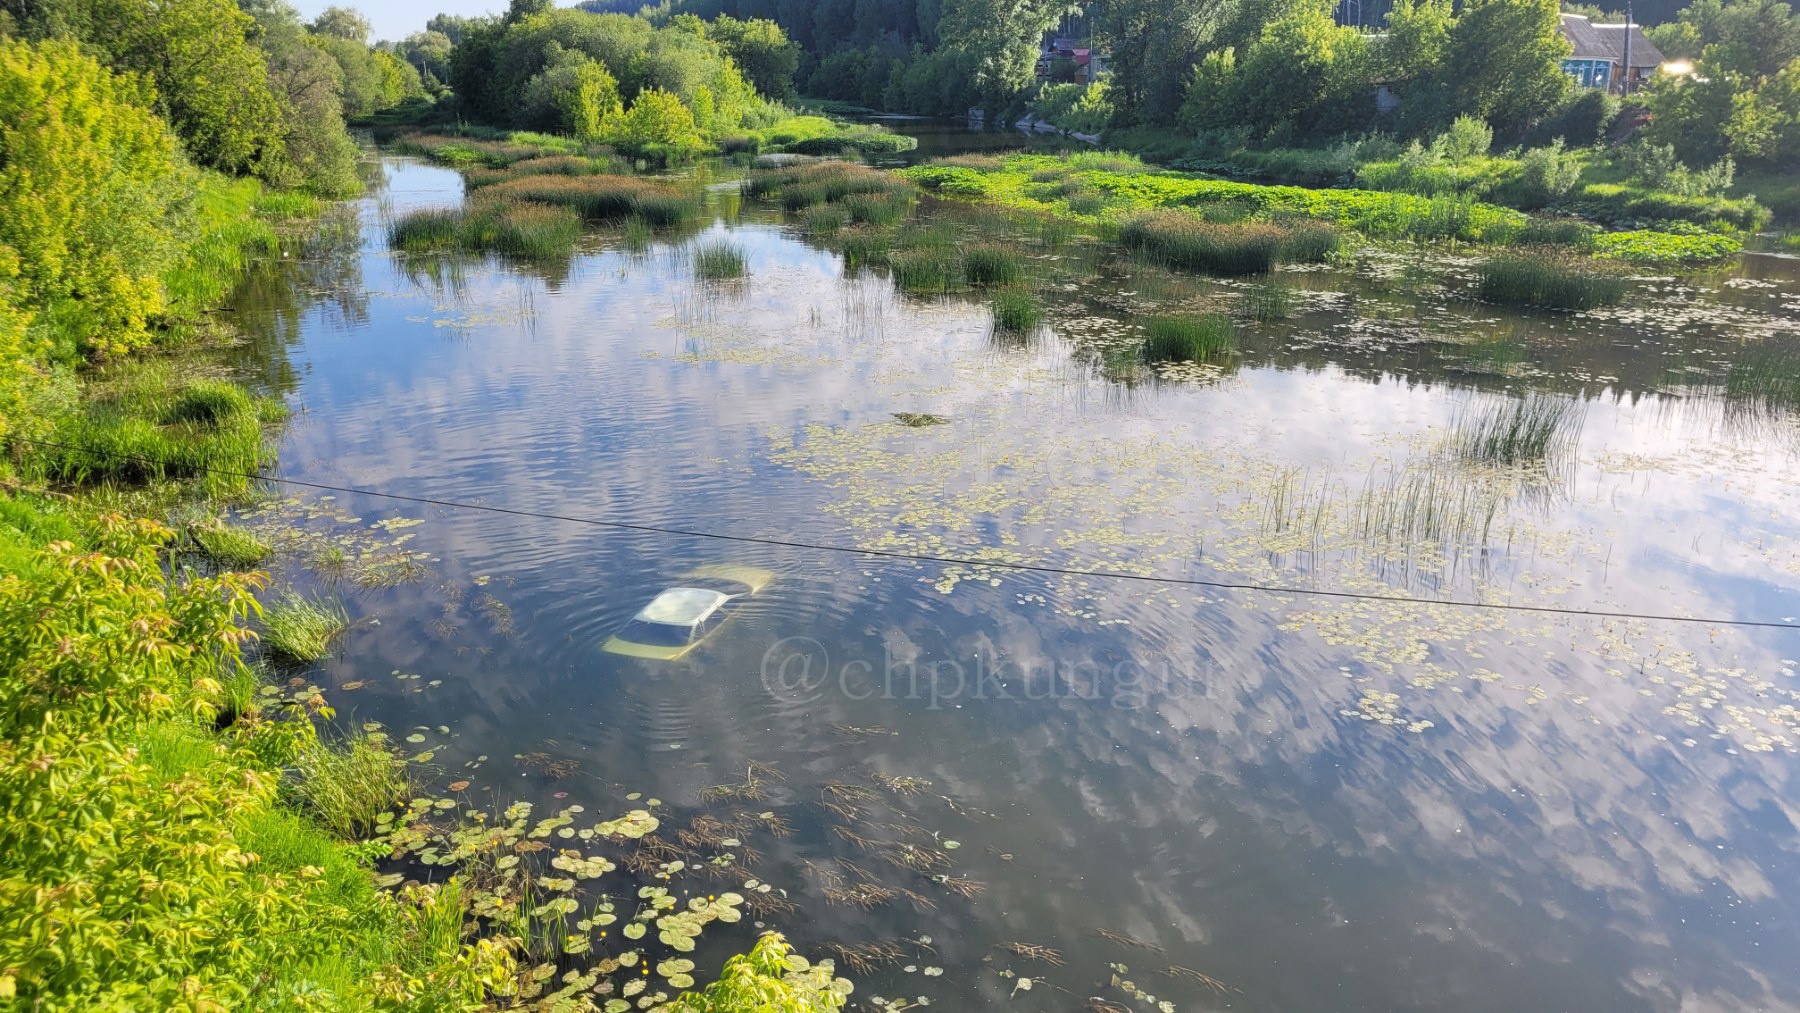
[{"x": 927, "y": 558}]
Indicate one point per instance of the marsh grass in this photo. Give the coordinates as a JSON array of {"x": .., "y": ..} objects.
[
  {"x": 990, "y": 265},
  {"x": 718, "y": 260},
  {"x": 1513, "y": 431},
  {"x": 825, "y": 220},
  {"x": 346, "y": 789},
  {"x": 302, "y": 629},
  {"x": 145, "y": 421},
  {"x": 492, "y": 221},
  {"x": 1188, "y": 338},
  {"x": 1269, "y": 302},
  {"x": 233, "y": 548},
  {"x": 926, "y": 269},
  {"x": 1015, "y": 310},
  {"x": 528, "y": 230},
  {"x": 1403, "y": 511},
  {"x": 1549, "y": 280},
  {"x": 1184, "y": 242},
  {"x": 1563, "y": 232},
  {"x": 866, "y": 249}
]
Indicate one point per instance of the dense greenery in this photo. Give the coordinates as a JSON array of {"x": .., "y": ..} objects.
[{"x": 1219, "y": 225}]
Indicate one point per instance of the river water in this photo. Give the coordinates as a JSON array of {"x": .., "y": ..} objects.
[{"x": 1322, "y": 803}]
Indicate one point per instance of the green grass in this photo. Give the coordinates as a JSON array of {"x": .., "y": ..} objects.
[
  {"x": 824, "y": 220},
  {"x": 864, "y": 249},
  {"x": 227, "y": 235},
  {"x": 1515, "y": 431},
  {"x": 345, "y": 790},
  {"x": 1015, "y": 310},
  {"x": 231, "y": 547},
  {"x": 1269, "y": 302},
  {"x": 1549, "y": 280},
  {"x": 298, "y": 628},
  {"x": 990, "y": 265},
  {"x": 145, "y": 423},
  {"x": 495, "y": 221},
  {"x": 1188, "y": 338},
  {"x": 1187, "y": 243},
  {"x": 718, "y": 260},
  {"x": 926, "y": 269}
]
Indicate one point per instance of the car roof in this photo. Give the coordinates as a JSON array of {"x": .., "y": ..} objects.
[{"x": 682, "y": 606}]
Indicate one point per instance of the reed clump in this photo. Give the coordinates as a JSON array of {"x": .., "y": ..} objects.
[
  {"x": 716, "y": 261},
  {"x": 1514, "y": 431},
  {"x": 1188, "y": 338},
  {"x": 299, "y": 628},
  {"x": 1186, "y": 242},
  {"x": 1016, "y": 310},
  {"x": 1549, "y": 279},
  {"x": 926, "y": 269},
  {"x": 990, "y": 265}
]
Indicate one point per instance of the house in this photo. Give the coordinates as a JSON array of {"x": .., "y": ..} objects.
[{"x": 1600, "y": 58}]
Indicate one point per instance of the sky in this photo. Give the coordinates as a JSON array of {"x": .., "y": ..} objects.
[{"x": 396, "y": 19}]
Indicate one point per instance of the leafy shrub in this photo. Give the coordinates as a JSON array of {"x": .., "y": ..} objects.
[
  {"x": 1549, "y": 172},
  {"x": 1468, "y": 137},
  {"x": 770, "y": 977},
  {"x": 87, "y": 183}
]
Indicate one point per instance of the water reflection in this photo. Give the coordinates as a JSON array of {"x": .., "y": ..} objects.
[{"x": 1324, "y": 803}]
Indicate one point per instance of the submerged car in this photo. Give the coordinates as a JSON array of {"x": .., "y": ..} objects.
[{"x": 675, "y": 621}]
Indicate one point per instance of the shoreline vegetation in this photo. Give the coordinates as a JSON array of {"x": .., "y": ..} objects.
[{"x": 184, "y": 826}]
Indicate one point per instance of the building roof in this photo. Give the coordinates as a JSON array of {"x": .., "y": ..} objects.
[{"x": 1607, "y": 42}]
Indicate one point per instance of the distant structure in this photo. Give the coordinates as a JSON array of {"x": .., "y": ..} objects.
[
  {"x": 1362, "y": 13},
  {"x": 1615, "y": 57}
]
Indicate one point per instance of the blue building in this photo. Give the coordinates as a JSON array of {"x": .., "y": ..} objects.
[{"x": 1599, "y": 58}]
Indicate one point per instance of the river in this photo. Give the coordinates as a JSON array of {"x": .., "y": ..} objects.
[{"x": 1318, "y": 802}]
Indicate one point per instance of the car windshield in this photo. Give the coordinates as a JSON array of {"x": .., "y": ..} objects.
[
  {"x": 682, "y": 606},
  {"x": 655, "y": 634}
]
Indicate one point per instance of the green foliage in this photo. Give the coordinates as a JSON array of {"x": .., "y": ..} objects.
[
  {"x": 212, "y": 84},
  {"x": 308, "y": 85},
  {"x": 657, "y": 122},
  {"x": 1016, "y": 310},
  {"x": 1549, "y": 280},
  {"x": 773, "y": 978},
  {"x": 1548, "y": 173},
  {"x": 233, "y": 548},
  {"x": 767, "y": 57},
  {"x": 1083, "y": 109},
  {"x": 302, "y": 629},
  {"x": 88, "y": 185},
  {"x": 718, "y": 260},
  {"x": 1188, "y": 338},
  {"x": 989, "y": 265},
  {"x": 1185, "y": 242},
  {"x": 1647, "y": 247},
  {"x": 345, "y": 790}
]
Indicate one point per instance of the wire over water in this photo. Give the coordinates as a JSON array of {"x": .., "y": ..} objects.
[{"x": 925, "y": 558}]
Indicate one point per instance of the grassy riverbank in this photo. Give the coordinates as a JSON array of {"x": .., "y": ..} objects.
[
  {"x": 181, "y": 829},
  {"x": 1106, "y": 190}
]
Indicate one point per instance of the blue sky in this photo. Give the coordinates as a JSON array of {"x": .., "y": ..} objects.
[{"x": 396, "y": 19}]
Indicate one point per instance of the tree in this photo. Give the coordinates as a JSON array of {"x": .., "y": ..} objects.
[
  {"x": 656, "y": 121},
  {"x": 87, "y": 176},
  {"x": 309, "y": 84},
  {"x": 761, "y": 50},
  {"x": 1503, "y": 62},
  {"x": 211, "y": 82},
  {"x": 999, "y": 39},
  {"x": 1306, "y": 74},
  {"x": 1154, "y": 46},
  {"x": 342, "y": 23}
]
